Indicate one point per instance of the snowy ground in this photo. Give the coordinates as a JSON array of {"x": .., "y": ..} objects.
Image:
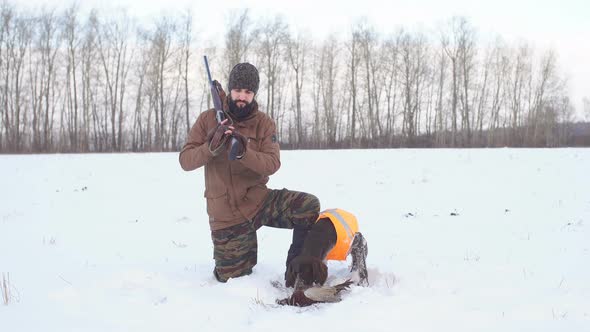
[{"x": 461, "y": 240}]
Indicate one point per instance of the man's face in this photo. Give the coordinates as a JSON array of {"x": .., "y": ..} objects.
[{"x": 242, "y": 97}]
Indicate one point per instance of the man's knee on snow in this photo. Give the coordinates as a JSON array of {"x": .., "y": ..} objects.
[{"x": 235, "y": 252}]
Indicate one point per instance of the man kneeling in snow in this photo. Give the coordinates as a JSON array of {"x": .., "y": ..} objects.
[{"x": 238, "y": 157}]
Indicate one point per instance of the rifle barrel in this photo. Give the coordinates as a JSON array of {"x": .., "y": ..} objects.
[{"x": 208, "y": 71}]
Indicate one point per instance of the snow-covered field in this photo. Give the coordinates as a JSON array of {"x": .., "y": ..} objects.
[{"x": 459, "y": 240}]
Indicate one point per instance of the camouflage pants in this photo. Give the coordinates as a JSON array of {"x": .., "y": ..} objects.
[{"x": 235, "y": 249}]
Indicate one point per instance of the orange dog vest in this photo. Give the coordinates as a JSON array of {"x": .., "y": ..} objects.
[{"x": 346, "y": 227}]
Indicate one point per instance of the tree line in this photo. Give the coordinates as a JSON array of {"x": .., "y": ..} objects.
[{"x": 95, "y": 83}]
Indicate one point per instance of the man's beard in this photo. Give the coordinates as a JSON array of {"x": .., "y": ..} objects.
[{"x": 240, "y": 113}]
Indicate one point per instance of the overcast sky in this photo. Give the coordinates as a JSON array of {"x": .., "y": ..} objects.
[{"x": 562, "y": 25}]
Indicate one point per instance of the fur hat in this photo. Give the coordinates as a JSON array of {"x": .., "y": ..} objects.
[{"x": 244, "y": 76}]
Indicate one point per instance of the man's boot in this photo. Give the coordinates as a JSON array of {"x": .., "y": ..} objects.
[
  {"x": 358, "y": 252},
  {"x": 309, "y": 265}
]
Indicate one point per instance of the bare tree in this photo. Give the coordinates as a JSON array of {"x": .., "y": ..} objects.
[
  {"x": 450, "y": 44},
  {"x": 15, "y": 39},
  {"x": 112, "y": 45},
  {"x": 429, "y": 99},
  {"x": 73, "y": 40},
  {"x": 482, "y": 94},
  {"x": 546, "y": 84},
  {"x": 354, "y": 57},
  {"x": 316, "y": 67},
  {"x": 560, "y": 129},
  {"x": 466, "y": 52},
  {"x": 272, "y": 37},
  {"x": 89, "y": 103},
  {"x": 328, "y": 72},
  {"x": 413, "y": 51},
  {"x": 586, "y": 106},
  {"x": 46, "y": 47},
  {"x": 371, "y": 56},
  {"x": 390, "y": 53},
  {"x": 517, "y": 82},
  {"x": 297, "y": 52},
  {"x": 238, "y": 38},
  {"x": 161, "y": 50},
  {"x": 140, "y": 138},
  {"x": 186, "y": 56},
  {"x": 177, "y": 89},
  {"x": 500, "y": 70},
  {"x": 440, "y": 118}
]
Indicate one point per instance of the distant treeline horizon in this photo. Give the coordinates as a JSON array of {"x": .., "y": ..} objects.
[{"x": 72, "y": 82}]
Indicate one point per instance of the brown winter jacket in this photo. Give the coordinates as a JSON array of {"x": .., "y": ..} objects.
[{"x": 235, "y": 190}]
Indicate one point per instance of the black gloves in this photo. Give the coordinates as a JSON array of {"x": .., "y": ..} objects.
[
  {"x": 217, "y": 137},
  {"x": 310, "y": 270},
  {"x": 240, "y": 147}
]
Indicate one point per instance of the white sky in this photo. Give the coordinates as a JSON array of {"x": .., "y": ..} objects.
[{"x": 563, "y": 25}]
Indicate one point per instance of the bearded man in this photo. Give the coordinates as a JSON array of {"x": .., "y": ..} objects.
[{"x": 238, "y": 200}]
